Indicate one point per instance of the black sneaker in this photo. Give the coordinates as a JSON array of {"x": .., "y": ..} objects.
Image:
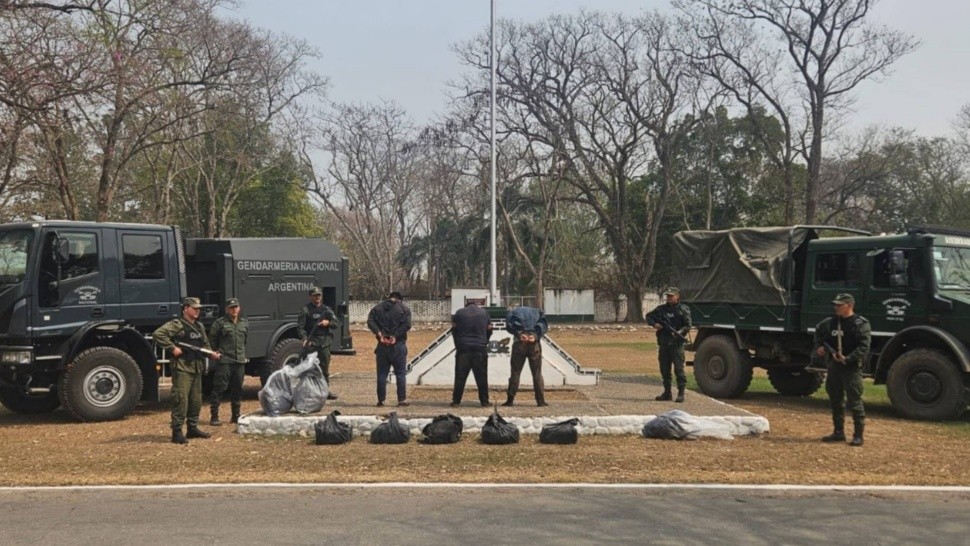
[
  {"x": 380, "y": 403},
  {"x": 455, "y": 404}
]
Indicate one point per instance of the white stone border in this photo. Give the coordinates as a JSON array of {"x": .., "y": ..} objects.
[{"x": 302, "y": 425}]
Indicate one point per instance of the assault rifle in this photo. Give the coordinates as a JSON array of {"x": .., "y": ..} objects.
[
  {"x": 663, "y": 322},
  {"x": 200, "y": 351}
]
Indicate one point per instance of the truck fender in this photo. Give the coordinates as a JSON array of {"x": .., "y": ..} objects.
[
  {"x": 123, "y": 337},
  {"x": 285, "y": 331},
  {"x": 929, "y": 336},
  {"x": 704, "y": 332}
]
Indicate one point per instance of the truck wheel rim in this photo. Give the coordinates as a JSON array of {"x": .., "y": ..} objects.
[
  {"x": 924, "y": 387},
  {"x": 716, "y": 368},
  {"x": 103, "y": 386}
]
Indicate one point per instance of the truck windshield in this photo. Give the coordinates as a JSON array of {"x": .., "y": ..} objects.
[
  {"x": 952, "y": 267},
  {"x": 14, "y": 255}
]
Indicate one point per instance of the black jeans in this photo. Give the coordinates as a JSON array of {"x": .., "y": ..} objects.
[
  {"x": 476, "y": 363},
  {"x": 396, "y": 357}
]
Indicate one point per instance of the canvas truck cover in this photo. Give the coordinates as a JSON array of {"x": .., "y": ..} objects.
[{"x": 741, "y": 265}]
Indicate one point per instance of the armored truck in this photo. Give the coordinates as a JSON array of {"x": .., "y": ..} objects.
[
  {"x": 79, "y": 301},
  {"x": 756, "y": 294}
]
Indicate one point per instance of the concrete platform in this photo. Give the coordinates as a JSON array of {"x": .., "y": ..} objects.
[{"x": 619, "y": 404}]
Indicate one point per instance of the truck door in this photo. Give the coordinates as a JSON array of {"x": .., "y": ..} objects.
[
  {"x": 897, "y": 290},
  {"x": 70, "y": 280},
  {"x": 145, "y": 278},
  {"x": 831, "y": 272}
]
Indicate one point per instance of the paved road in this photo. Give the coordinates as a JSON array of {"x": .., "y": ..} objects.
[{"x": 497, "y": 516}]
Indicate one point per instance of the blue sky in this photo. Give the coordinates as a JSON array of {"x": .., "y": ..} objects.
[{"x": 400, "y": 50}]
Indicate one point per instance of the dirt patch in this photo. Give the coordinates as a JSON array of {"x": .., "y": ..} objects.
[{"x": 53, "y": 450}]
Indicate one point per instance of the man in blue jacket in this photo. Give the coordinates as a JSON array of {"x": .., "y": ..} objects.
[
  {"x": 390, "y": 321},
  {"x": 527, "y": 326}
]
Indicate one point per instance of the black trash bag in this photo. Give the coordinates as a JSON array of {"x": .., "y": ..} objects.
[
  {"x": 332, "y": 432},
  {"x": 390, "y": 432},
  {"x": 665, "y": 427},
  {"x": 498, "y": 431},
  {"x": 443, "y": 429},
  {"x": 276, "y": 398},
  {"x": 563, "y": 432},
  {"x": 309, "y": 388}
]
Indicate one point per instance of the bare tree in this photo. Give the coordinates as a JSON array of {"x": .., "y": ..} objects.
[
  {"x": 612, "y": 98},
  {"x": 830, "y": 47},
  {"x": 370, "y": 185}
]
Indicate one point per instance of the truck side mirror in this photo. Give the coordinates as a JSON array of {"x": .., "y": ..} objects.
[
  {"x": 62, "y": 251},
  {"x": 897, "y": 269}
]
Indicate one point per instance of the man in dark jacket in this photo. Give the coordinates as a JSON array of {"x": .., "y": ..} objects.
[
  {"x": 315, "y": 325},
  {"x": 527, "y": 326},
  {"x": 470, "y": 329},
  {"x": 672, "y": 324},
  {"x": 843, "y": 340},
  {"x": 390, "y": 321}
]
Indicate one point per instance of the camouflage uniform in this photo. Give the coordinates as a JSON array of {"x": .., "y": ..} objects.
[
  {"x": 310, "y": 316},
  {"x": 229, "y": 338},
  {"x": 187, "y": 369}
]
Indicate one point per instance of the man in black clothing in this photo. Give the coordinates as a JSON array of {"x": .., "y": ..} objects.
[
  {"x": 672, "y": 323},
  {"x": 471, "y": 328},
  {"x": 843, "y": 340},
  {"x": 315, "y": 325},
  {"x": 390, "y": 321}
]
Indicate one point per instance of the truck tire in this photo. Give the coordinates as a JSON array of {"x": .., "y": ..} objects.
[
  {"x": 17, "y": 401},
  {"x": 285, "y": 351},
  {"x": 927, "y": 384},
  {"x": 795, "y": 381},
  {"x": 100, "y": 384},
  {"x": 721, "y": 370}
]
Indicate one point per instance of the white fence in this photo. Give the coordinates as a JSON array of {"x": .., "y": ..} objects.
[{"x": 439, "y": 310}]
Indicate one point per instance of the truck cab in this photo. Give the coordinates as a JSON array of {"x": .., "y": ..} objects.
[
  {"x": 79, "y": 301},
  {"x": 756, "y": 295}
]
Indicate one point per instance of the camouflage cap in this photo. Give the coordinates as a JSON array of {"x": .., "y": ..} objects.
[
  {"x": 194, "y": 303},
  {"x": 672, "y": 291},
  {"x": 232, "y": 302},
  {"x": 316, "y": 290},
  {"x": 843, "y": 298}
]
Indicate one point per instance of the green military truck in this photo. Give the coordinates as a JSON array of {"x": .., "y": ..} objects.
[
  {"x": 756, "y": 294},
  {"x": 79, "y": 301}
]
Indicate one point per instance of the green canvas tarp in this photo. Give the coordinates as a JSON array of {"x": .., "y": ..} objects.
[{"x": 740, "y": 266}]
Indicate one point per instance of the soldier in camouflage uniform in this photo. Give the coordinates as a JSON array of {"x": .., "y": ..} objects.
[
  {"x": 187, "y": 368},
  {"x": 315, "y": 326},
  {"x": 228, "y": 335},
  {"x": 672, "y": 323},
  {"x": 845, "y": 358}
]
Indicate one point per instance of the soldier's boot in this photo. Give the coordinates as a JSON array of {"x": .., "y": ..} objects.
[
  {"x": 194, "y": 432},
  {"x": 838, "y": 432},
  {"x": 680, "y": 395},
  {"x": 235, "y": 414},
  {"x": 860, "y": 427},
  {"x": 214, "y": 416},
  {"x": 178, "y": 437},
  {"x": 665, "y": 396},
  {"x": 541, "y": 401},
  {"x": 330, "y": 394}
]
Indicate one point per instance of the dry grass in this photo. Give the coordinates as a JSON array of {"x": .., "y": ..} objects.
[{"x": 51, "y": 450}]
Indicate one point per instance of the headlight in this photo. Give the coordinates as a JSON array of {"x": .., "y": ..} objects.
[{"x": 16, "y": 357}]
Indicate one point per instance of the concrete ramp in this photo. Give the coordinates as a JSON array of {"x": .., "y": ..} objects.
[{"x": 436, "y": 364}]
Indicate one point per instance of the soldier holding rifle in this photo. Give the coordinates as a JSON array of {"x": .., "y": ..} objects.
[
  {"x": 843, "y": 340},
  {"x": 185, "y": 337},
  {"x": 672, "y": 323}
]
